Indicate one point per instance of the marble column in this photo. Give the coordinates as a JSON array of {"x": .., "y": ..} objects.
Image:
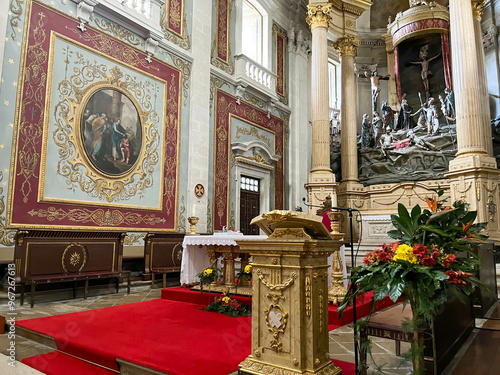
[
  {"x": 321, "y": 181},
  {"x": 393, "y": 95},
  {"x": 318, "y": 18},
  {"x": 471, "y": 123},
  {"x": 478, "y": 8},
  {"x": 473, "y": 173},
  {"x": 347, "y": 47}
]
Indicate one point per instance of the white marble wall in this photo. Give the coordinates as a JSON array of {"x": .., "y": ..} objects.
[{"x": 199, "y": 143}]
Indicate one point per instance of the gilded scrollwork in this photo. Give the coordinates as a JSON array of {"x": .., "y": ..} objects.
[
  {"x": 252, "y": 132},
  {"x": 6, "y": 236},
  {"x": 221, "y": 45},
  {"x": 278, "y": 287},
  {"x": 118, "y": 31},
  {"x": 133, "y": 238},
  {"x": 215, "y": 83},
  {"x": 177, "y": 13},
  {"x": 115, "y": 49},
  {"x": 181, "y": 216},
  {"x": 31, "y": 124},
  {"x": 276, "y": 320},
  {"x": 100, "y": 217},
  {"x": 185, "y": 68},
  {"x": 74, "y": 164},
  {"x": 209, "y": 215},
  {"x": 16, "y": 10}
]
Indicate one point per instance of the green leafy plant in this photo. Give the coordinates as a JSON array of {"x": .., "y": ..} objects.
[
  {"x": 432, "y": 255},
  {"x": 227, "y": 305},
  {"x": 245, "y": 272},
  {"x": 209, "y": 275}
]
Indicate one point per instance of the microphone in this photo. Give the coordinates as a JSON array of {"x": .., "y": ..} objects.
[{"x": 353, "y": 263}]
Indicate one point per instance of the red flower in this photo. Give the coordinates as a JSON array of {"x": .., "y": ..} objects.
[
  {"x": 435, "y": 254},
  {"x": 427, "y": 261},
  {"x": 458, "y": 277},
  {"x": 420, "y": 250},
  {"x": 368, "y": 259},
  {"x": 449, "y": 259}
]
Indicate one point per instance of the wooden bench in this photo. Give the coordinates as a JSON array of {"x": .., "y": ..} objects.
[
  {"x": 162, "y": 255},
  {"x": 46, "y": 257},
  {"x": 37, "y": 280},
  {"x": 452, "y": 326}
]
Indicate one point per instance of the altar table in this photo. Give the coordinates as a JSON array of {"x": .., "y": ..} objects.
[{"x": 199, "y": 252}]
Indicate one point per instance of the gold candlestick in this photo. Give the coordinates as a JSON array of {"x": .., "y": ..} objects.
[
  {"x": 337, "y": 292},
  {"x": 193, "y": 220}
]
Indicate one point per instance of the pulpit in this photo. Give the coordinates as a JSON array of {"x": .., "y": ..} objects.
[{"x": 290, "y": 295}]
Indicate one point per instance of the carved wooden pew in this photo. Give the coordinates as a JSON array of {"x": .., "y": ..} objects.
[
  {"x": 44, "y": 257},
  {"x": 162, "y": 254}
]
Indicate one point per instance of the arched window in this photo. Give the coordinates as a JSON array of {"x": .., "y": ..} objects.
[{"x": 253, "y": 31}]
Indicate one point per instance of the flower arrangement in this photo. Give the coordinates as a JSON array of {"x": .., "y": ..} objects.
[
  {"x": 245, "y": 272},
  {"x": 208, "y": 275},
  {"x": 424, "y": 263},
  {"x": 225, "y": 304}
]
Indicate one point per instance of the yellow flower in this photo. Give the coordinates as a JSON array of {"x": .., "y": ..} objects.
[
  {"x": 405, "y": 252},
  {"x": 207, "y": 272},
  {"x": 248, "y": 268},
  {"x": 226, "y": 299}
]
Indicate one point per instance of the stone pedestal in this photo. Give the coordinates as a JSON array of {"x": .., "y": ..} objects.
[{"x": 290, "y": 296}]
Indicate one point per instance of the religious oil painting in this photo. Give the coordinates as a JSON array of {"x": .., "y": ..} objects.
[{"x": 111, "y": 131}]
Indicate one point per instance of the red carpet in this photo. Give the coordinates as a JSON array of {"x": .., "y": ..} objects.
[
  {"x": 169, "y": 336},
  {"x": 159, "y": 334},
  {"x": 362, "y": 305},
  {"x": 56, "y": 363}
]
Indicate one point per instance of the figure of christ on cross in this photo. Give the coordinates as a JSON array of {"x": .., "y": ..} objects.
[
  {"x": 375, "y": 81},
  {"x": 425, "y": 68}
]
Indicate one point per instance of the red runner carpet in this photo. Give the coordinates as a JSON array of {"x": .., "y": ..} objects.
[
  {"x": 169, "y": 336},
  {"x": 362, "y": 304},
  {"x": 57, "y": 363}
]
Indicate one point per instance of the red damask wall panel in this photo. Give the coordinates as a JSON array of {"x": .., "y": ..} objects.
[
  {"x": 25, "y": 208},
  {"x": 174, "y": 15},
  {"x": 222, "y": 38},
  {"x": 226, "y": 107}
]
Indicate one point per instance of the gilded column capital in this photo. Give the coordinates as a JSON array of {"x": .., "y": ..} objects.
[
  {"x": 478, "y": 8},
  {"x": 318, "y": 15},
  {"x": 347, "y": 45}
]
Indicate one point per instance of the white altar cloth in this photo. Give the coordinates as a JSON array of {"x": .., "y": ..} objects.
[{"x": 194, "y": 257}]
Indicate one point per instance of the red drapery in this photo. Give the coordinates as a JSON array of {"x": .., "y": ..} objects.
[
  {"x": 396, "y": 74},
  {"x": 445, "y": 46}
]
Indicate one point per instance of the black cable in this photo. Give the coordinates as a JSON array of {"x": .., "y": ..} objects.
[{"x": 352, "y": 286}]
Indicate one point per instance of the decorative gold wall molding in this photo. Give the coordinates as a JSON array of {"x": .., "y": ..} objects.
[
  {"x": 185, "y": 69},
  {"x": 6, "y": 236},
  {"x": 89, "y": 77},
  {"x": 181, "y": 216},
  {"x": 100, "y": 217},
  {"x": 318, "y": 15},
  {"x": 252, "y": 132},
  {"x": 129, "y": 56},
  {"x": 221, "y": 44},
  {"x": 183, "y": 39},
  {"x": 478, "y": 8},
  {"x": 133, "y": 238},
  {"x": 117, "y": 31},
  {"x": 347, "y": 45},
  {"x": 16, "y": 10}
]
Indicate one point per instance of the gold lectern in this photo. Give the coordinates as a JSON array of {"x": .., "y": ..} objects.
[{"x": 290, "y": 295}]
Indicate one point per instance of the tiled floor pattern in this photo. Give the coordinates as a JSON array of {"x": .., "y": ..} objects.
[{"x": 61, "y": 302}]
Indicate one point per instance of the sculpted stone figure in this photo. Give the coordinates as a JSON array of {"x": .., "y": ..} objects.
[
  {"x": 366, "y": 129},
  {"x": 375, "y": 82},
  {"x": 424, "y": 61},
  {"x": 378, "y": 126},
  {"x": 388, "y": 115},
  {"x": 386, "y": 141}
]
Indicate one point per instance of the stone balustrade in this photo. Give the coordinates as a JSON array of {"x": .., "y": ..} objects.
[{"x": 255, "y": 75}]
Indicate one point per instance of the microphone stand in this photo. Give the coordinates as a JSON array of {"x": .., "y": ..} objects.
[{"x": 352, "y": 285}]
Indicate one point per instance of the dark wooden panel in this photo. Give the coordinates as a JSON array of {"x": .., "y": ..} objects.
[{"x": 162, "y": 250}]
